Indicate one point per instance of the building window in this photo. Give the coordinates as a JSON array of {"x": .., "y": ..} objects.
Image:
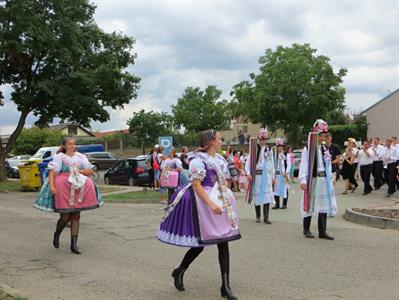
[
  {"x": 72, "y": 130},
  {"x": 244, "y": 129}
]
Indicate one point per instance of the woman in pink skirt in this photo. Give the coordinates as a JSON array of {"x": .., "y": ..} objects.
[{"x": 73, "y": 189}]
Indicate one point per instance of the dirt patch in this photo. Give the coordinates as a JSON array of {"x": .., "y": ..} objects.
[{"x": 384, "y": 213}]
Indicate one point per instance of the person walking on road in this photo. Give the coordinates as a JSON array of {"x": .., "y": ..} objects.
[
  {"x": 69, "y": 190},
  {"x": 317, "y": 182},
  {"x": 282, "y": 167},
  {"x": 365, "y": 156},
  {"x": 203, "y": 212},
  {"x": 264, "y": 177}
]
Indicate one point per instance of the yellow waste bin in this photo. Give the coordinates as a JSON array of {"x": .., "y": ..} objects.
[{"x": 29, "y": 175}]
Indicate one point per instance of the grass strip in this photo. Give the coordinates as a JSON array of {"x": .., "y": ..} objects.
[{"x": 134, "y": 197}]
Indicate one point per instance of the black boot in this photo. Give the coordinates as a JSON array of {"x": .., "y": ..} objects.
[
  {"x": 306, "y": 227},
  {"x": 57, "y": 233},
  {"x": 257, "y": 211},
  {"x": 285, "y": 200},
  {"x": 177, "y": 274},
  {"x": 266, "y": 213},
  {"x": 225, "y": 289},
  {"x": 322, "y": 225},
  {"x": 74, "y": 244},
  {"x": 277, "y": 200},
  {"x": 56, "y": 239}
]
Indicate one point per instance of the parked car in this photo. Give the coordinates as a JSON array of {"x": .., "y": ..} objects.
[
  {"x": 297, "y": 155},
  {"x": 12, "y": 168},
  {"x": 44, "y": 153},
  {"x": 131, "y": 171},
  {"x": 101, "y": 160}
]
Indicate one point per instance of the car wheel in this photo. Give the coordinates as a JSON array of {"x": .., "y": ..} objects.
[
  {"x": 9, "y": 175},
  {"x": 106, "y": 180},
  {"x": 95, "y": 167},
  {"x": 131, "y": 182}
]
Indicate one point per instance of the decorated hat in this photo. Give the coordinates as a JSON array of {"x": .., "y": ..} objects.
[
  {"x": 279, "y": 142},
  {"x": 320, "y": 126},
  {"x": 262, "y": 134},
  {"x": 352, "y": 140}
]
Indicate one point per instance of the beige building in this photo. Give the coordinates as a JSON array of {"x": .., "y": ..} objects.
[
  {"x": 230, "y": 136},
  {"x": 71, "y": 129},
  {"x": 383, "y": 117}
]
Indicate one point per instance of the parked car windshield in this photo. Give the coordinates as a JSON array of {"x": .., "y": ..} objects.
[
  {"x": 13, "y": 162},
  {"x": 39, "y": 154}
]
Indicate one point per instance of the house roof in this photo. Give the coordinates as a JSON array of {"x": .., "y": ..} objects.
[
  {"x": 378, "y": 102},
  {"x": 106, "y": 133},
  {"x": 59, "y": 127}
]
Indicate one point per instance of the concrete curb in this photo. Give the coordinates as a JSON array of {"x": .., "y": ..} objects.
[
  {"x": 372, "y": 221},
  {"x": 11, "y": 291}
]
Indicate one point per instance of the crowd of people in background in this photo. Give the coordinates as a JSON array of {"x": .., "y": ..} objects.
[{"x": 372, "y": 160}]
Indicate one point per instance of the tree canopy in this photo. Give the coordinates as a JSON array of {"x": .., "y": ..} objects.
[
  {"x": 30, "y": 140},
  {"x": 60, "y": 64},
  {"x": 148, "y": 126},
  {"x": 293, "y": 88},
  {"x": 199, "y": 110}
]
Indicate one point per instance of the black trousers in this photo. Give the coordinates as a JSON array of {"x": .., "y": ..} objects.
[
  {"x": 365, "y": 173},
  {"x": 392, "y": 171},
  {"x": 377, "y": 171},
  {"x": 321, "y": 223},
  {"x": 352, "y": 178},
  {"x": 266, "y": 208},
  {"x": 277, "y": 200},
  {"x": 151, "y": 176}
]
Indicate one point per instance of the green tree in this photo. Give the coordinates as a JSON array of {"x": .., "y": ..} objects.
[
  {"x": 60, "y": 64},
  {"x": 30, "y": 140},
  {"x": 200, "y": 110},
  {"x": 148, "y": 126},
  {"x": 294, "y": 87},
  {"x": 337, "y": 117}
]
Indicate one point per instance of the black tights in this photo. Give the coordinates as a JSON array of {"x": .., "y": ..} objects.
[
  {"x": 224, "y": 257},
  {"x": 65, "y": 218}
]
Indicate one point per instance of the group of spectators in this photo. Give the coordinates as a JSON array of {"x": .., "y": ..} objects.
[{"x": 373, "y": 158}]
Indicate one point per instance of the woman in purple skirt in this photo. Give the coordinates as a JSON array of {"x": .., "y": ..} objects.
[{"x": 203, "y": 212}]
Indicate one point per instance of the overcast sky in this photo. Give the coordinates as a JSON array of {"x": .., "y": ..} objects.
[{"x": 201, "y": 43}]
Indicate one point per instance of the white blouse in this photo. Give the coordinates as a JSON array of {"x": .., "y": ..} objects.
[
  {"x": 78, "y": 159},
  {"x": 197, "y": 165}
]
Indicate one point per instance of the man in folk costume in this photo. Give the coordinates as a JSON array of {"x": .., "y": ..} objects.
[
  {"x": 282, "y": 167},
  {"x": 262, "y": 176},
  {"x": 315, "y": 174}
]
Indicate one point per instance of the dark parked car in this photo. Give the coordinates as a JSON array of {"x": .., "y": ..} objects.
[
  {"x": 131, "y": 171},
  {"x": 12, "y": 168},
  {"x": 101, "y": 160}
]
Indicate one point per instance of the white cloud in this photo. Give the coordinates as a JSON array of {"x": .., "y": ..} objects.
[{"x": 200, "y": 43}]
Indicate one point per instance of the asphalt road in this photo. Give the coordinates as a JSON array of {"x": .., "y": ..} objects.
[{"x": 122, "y": 259}]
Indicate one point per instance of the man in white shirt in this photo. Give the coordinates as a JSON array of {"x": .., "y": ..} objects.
[
  {"x": 391, "y": 158},
  {"x": 365, "y": 157},
  {"x": 378, "y": 164}
]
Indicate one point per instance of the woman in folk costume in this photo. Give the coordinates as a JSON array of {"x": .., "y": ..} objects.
[
  {"x": 317, "y": 182},
  {"x": 203, "y": 212},
  {"x": 173, "y": 163},
  {"x": 68, "y": 190},
  {"x": 261, "y": 167},
  {"x": 282, "y": 167}
]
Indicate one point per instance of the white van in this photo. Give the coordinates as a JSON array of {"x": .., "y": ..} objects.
[{"x": 43, "y": 153}]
